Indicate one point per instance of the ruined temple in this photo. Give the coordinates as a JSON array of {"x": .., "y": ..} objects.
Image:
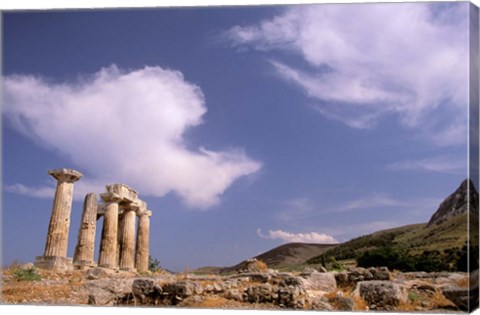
[{"x": 119, "y": 247}]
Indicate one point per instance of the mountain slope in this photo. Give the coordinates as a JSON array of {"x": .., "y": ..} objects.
[
  {"x": 292, "y": 254},
  {"x": 457, "y": 203},
  {"x": 448, "y": 228}
]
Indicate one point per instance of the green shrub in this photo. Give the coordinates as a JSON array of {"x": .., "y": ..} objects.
[
  {"x": 153, "y": 264},
  {"x": 30, "y": 274},
  {"x": 453, "y": 259}
]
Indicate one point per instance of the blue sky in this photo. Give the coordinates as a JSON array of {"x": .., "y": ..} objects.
[{"x": 242, "y": 128}]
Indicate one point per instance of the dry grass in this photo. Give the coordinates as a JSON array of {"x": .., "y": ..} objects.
[
  {"x": 423, "y": 301},
  {"x": 261, "y": 265},
  {"x": 360, "y": 304},
  {"x": 463, "y": 283},
  {"x": 39, "y": 293},
  {"x": 55, "y": 288},
  {"x": 218, "y": 302}
]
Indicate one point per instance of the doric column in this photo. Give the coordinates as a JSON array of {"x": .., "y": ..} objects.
[
  {"x": 55, "y": 255},
  {"x": 127, "y": 241},
  {"x": 84, "y": 252},
  {"x": 108, "y": 243},
  {"x": 142, "y": 250},
  {"x": 119, "y": 235}
]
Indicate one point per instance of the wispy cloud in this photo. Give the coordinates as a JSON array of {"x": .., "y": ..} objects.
[
  {"x": 294, "y": 208},
  {"x": 81, "y": 188},
  {"x": 439, "y": 164},
  {"x": 126, "y": 126},
  {"x": 376, "y": 200},
  {"x": 40, "y": 192},
  {"x": 311, "y": 237},
  {"x": 370, "y": 61}
]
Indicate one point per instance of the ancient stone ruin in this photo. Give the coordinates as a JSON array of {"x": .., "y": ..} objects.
[{"x": 119, "y": 249}]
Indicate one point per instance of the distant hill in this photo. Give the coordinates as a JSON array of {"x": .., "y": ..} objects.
[
  {"x": 287, "y": 256},
  {"x": 292, "y": 254},
  {"x": 446, "y": 229}
]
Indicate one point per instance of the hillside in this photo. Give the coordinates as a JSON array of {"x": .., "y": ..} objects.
[
  {"x": 447, "y": 229},
  {"x": 292, "y": 254},
  {"x": 287, "y": 256}
]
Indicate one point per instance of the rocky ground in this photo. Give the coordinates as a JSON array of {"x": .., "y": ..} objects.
[{"x": 356, "y": 289}]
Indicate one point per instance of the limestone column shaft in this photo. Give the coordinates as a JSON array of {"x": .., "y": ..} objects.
[
  {"x": 119, "y": 238},
  {"x": 127, "y": 243},
  {"x": 58, "y": 229},
  {"x": 143, "y": 240},
  {"x": 85, "y": 250},
  {"x": 108, "y": 244}
]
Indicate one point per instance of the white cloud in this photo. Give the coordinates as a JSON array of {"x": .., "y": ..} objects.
[
  {"x": 369, "y": 61},
  {"x": 375, "y": 200},
  {"x": 40, "y": 192},
  {"x": 439, "y": 164},
  {"x": 311, "y": 237},
  {"x": 81, "y": 188},
  {"x": 126, "y": 127}
]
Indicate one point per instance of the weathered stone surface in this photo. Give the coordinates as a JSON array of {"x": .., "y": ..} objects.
[
  {"x": 59, "y": 226},
  {"x": 321, "y": 304},
  {"x": 53, "y": 263},
  {"x": 144, "y": 291},
  {"x": 108, "y": 291},
  {"x": 320, "y": 282},
  {"x": 250, "y": 266},
  {"x": 98, "y": 273},
  {"x": 381, "y": 273},
  {"x": 85, "y": 250},
  {"x": 291, "y": 281},
  {"x": 291, "y": 297},
  {"x": 343, "y": 303},
  {"x": 256, "y": 277},
  {"x": 234, "y": 294},
  {"x": 307, "y": 271},
  {"x": 261, "y": 293},
  {"x": 359, "y": 274},
  {"x": 385, "y": 295},
  {"x": 124, "y": 192},
  {"x": 127, "y": 241},
  {"x": 143, "y": 242},
  {"x": 342, "y": 279},
  {"x": 177, "y": 291},
  {"x": 65, "y": 175},
  {"x": 459, "y": 296},
  {"x": 108, "y": 243},
  {"x": 25, "y": 266}
]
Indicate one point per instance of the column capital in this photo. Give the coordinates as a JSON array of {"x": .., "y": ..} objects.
[
  {"x": 123, "y": 191},
  {"x": 147, "y": 213},
  {"x": 138, "y": 206},
  {"x": 65, "y": 175}
]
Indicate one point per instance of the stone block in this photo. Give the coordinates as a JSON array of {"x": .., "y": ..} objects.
[{"x": 54, "y": 263}]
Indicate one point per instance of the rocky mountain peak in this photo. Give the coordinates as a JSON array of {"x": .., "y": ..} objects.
[{"x": 456, "y": 203}]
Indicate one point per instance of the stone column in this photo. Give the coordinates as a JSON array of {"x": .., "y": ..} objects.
[
  {"x": 55, "y": 254},
  {"x": 142, "y": 250},
  {"x": 127, "y": 241},
  {"x": 119, "y": 235},
  {"x": 108, "y": 243},
  {"x": 84, "y": 252}
]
